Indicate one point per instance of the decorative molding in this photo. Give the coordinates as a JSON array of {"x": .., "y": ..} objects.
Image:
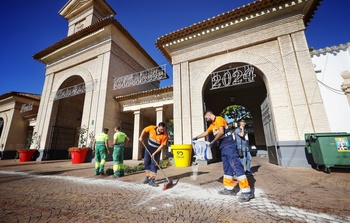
[
  {"x": 226, "y": 24},
  {"x": 134, "y": 102},
  {"x": 345, "y": 87},
  {"x": 27, "y": 107}
]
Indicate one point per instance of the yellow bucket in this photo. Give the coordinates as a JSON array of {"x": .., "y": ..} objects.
[{"x": 182, "y": 154}]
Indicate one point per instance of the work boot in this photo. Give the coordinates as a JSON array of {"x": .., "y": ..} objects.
[
  {"x": 227, "y": 192},
  {"x": 153, "y": 183},
  {"x": 245, "y": 197},
  {"x": 146, "y": 180}
]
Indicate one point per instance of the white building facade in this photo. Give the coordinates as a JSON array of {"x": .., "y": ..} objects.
[{"x": 332, "y": 67}]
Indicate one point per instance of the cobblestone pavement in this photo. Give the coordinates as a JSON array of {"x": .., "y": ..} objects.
[{"x": 58, "y": 191}]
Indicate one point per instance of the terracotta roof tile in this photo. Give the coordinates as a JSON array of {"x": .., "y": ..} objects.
[
  {"x": 21, "y": 94},
  {"x": 330, "y": 49},
  {"x": 237, "y": 13},
  {"x": 88, "y": 30}
]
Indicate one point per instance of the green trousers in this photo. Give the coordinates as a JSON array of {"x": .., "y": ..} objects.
[
  {"x": 118, "y": 160},
  {"x": 100, "y": 157}
]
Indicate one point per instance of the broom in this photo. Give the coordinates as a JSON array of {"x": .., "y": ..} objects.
[{"x": 170, "y": 181}]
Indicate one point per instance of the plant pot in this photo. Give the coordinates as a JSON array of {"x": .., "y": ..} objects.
[
  {"x": 26, "y": 154},
  {"x": 78, "y": 155}
]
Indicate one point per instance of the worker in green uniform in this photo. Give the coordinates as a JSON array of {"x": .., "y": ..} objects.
[
  {"x": 100, "y": 149},
  {"x": 120, "y": 139}
]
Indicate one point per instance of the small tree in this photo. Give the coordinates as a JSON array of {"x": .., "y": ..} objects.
[
  {"x": 33, "y": 138},
  {"x": 236, "y": 113},
  {"x": 170, "y": 131},
  {"x": 91, "y": 137},
  {"x": 82, "y": 137},
  {"x": 36, "y": 140},
  {"x": 29, "y": 140},
  {"x": 81, "y": 140}
]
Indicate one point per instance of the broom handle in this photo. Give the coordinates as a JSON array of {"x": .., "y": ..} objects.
[{"x": 154, "y": 160}]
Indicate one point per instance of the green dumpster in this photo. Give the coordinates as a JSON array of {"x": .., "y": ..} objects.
[{"x": 329, "y": 149}]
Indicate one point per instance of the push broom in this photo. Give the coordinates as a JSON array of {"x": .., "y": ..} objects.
[{"x": 170, "y": 181}]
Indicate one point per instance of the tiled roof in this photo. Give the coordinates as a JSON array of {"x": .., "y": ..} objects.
[
  {"x": 330, "y": 49},
  {"x": 234, "y": 14},
  {"x": 88, "y": 30},
  {"x": 145, "y": 93},
  {"x": 21, "y": 94}
]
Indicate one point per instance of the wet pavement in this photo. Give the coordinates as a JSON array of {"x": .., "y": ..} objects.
[{"x": 58, "y": 191}]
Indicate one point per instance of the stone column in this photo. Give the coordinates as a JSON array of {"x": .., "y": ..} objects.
[
  {"x": 137, "y": 152},
  {"x": 177, "y": 94},
  {"x": 160, "y": 118},
  {"x": 46, "y": 108},
  {"x": 316, "y": 120},
  {"x": 159, "y": 115},
  {"x": 186, "y": 104}
]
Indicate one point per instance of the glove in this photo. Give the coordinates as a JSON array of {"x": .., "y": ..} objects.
[
  {"x": 211, "y": 143},
  {"x": 195, "y": 138}
]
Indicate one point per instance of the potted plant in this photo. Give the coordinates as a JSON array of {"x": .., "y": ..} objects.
[
  {"x": 78, "y": 154},
  {"x": 27, "y": 153}
]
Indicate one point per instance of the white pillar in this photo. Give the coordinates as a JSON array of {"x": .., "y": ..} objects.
[
  {"x": 177, "y": 116},
  {"x": 186, "y": 108},
  {"x": 159, "y": 114},
  {"x": 160, "y": 118},
  {"x": 137, "y": 152}
]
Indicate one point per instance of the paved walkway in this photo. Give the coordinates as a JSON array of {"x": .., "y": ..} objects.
[{"x": 58, "y": 191}]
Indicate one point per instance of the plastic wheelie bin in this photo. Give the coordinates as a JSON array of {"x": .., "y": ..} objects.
[{"x": 329, "y": 149}]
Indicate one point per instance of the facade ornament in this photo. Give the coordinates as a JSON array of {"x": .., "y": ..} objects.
[
  {"x": 27, "y": 107},
  {"x": 74, "y": 90},
  {"x": 143, "y": 77},
  {"x": 346, "y": 84},
  {"x": 232, "y": 76}
]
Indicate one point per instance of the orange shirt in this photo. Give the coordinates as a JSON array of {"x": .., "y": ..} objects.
[
  {"x": 159, "y": 138},
  {"x": 216, "y": 124}
]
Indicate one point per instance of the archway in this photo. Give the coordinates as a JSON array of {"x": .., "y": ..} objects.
[
  {"x": 66, "y": 117},
  {"x": 250, "y": 94}
]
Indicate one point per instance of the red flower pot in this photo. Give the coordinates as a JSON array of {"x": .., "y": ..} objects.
[
  {"x": 78, "y": 154},
  {"x": 26, "y": 154}
]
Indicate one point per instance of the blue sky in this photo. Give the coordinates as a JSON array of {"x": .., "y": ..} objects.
[{"x": 29, "y": 26}]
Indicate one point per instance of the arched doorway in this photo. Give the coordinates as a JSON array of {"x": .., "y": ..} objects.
[
  {"x": 66, "y": 117},
  {"x": 239, "y": 84}
]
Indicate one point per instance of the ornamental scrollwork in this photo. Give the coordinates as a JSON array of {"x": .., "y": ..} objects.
[
  {"x": 233, "y": 76},
  {"x": 143, "y": 77},
  {"x": 74, "y": 90}
]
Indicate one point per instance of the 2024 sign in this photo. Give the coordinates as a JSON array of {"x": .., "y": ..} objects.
[{"x": 233, "y": 76}]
